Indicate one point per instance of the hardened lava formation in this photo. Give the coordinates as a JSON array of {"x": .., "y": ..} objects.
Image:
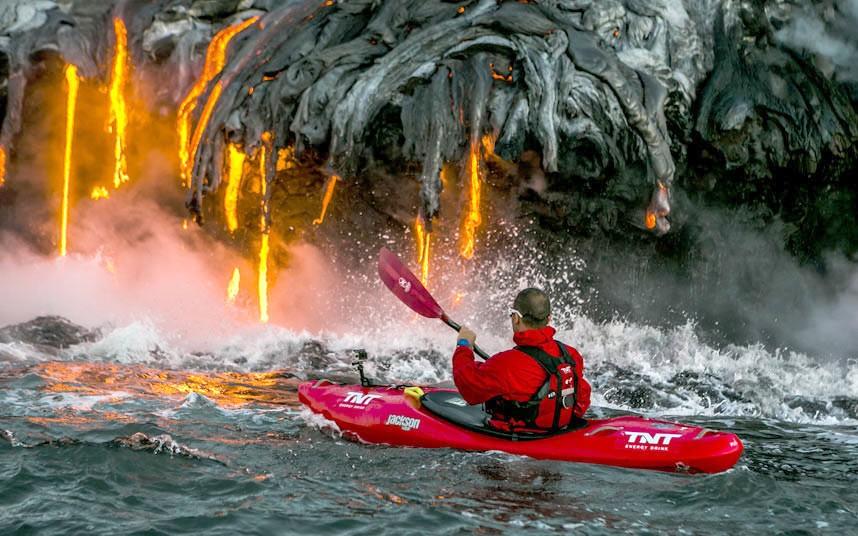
[{"x": 599, "y": 114}]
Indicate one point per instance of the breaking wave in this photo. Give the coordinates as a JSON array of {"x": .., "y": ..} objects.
[{"x": 632, "y": 367}]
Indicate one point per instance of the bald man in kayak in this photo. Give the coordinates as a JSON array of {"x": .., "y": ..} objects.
[{"x": 537, "y": 386}]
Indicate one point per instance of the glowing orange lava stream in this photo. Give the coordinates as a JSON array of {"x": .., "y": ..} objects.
[
  {"x": 263, "y": 279},
  {"x": 201, "y": 127},
  {"x": 214, "y": 63},
  {"x": 423, "y": 239},
  {"x": 262, "y": 271},
  {"x": 650, "y": 220},
  {"x": 651, "y": 216},
  {"x": 118, "y": 105},
  {"x": 235, "y": 162},
  {"x": 73, "y": 84},
  {"x": 329, "y": 193},
  {"x": 233, "y": 286},
  {"x": 474, "y": 218},
  {"x": 2, "y": 166}
]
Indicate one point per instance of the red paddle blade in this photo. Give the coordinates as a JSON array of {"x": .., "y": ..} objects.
[{"x": 406, "y": 286}]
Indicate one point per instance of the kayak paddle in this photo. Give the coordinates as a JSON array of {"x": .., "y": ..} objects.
[{"x": 411, "y": 291}]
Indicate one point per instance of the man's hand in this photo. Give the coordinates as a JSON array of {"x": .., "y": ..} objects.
[{"x": 467, "y": 334}]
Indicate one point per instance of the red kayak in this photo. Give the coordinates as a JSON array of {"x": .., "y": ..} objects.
[{"x": 440, "y": 418}]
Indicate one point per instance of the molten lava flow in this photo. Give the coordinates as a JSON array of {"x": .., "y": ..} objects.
[
  {"x": 99, "y": 192},
  {"x": 424, "y": 261},
  {"x": 235, "y": 161},
  {"x": 214, "y": 64},
  {"x": 263, "y": 279},
  {"x": 649, "y": 220},
  {"x": 329, "y": 193},
  {"x": 201, "y": 127},
  {"x": 262, "y": 272},
  {"x": 118, "y": 107},
  {"x": 234, "y": 285},
  {"x": 73, "y": 84},
  {"x": 423, "y": 239},
  {"x": 2, "y": 166},
  {"x": 474, "y": 218},
  {"x": 659, "y": 206}
]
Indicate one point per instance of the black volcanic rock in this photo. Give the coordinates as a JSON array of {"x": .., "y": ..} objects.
[
  {"x": 49, "y": 331},
  {"x": 631, "y": 107}
]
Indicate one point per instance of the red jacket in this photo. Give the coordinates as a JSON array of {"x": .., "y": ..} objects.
[{"x": 513, "y": 375}]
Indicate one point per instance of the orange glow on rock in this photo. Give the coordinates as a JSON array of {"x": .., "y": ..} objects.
[
  {"x": 326, "y": 200},
  {"x": 72, "y": 86},
  {"x": 214, "y": 63},
  {"x": 235, "y": 162},
  {"x": 118, "y": 105},
  {"x": 284, "y": 159}
]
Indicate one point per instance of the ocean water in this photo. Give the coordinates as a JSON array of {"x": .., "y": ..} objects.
[{"x": 120, "y": 431}]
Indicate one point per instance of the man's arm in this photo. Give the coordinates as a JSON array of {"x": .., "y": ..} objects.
[{"x": 476, "y": 382}]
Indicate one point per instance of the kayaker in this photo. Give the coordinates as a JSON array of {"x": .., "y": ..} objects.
[{"x": 538, "y": 385}]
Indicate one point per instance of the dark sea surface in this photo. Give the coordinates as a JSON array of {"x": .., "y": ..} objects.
[{"x": 104, "y": 437}]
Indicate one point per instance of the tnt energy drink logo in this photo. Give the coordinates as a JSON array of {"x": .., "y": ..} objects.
[
  {"x": 647, "y": 441},
  {"x": 357, "y": 400},
  {"x": 406, "y": 423}
]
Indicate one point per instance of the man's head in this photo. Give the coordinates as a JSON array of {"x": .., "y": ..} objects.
[{"x": 532, "y": 310}]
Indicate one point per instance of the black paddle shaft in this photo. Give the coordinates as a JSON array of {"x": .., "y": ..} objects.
[{"x": 477, "y": 350}]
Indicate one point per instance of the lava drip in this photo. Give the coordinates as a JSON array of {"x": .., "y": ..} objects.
[
  {"x": 473, "y": 219},
  {"x": 329, "y": 193},
  {"x": 2, "y": 166},
  {"x": 214, "y": 64},
  {"x": 206, "y": 114},
  {"x": 72, "y": 85},
  {"x": 233, "y": 286},
  {"x": 655, "y": 218},
  {"x": 235, "y": 163},
  {"x": 99, "y": 192},
  {"x": 423, "y": 237},
  {"x": 262, "y": 272},
  {"x": 118, "y": 104}
]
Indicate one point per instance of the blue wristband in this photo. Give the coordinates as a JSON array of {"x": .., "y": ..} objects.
[{"x": 463, "y": 342}]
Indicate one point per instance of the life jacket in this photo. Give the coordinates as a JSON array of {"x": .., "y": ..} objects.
[{"x": 552, "y": 406}]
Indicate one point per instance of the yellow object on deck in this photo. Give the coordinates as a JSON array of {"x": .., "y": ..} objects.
[{"x": 414, "y": 393}]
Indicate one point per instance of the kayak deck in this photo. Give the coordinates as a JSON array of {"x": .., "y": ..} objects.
[{"x": 441, "y": 419}]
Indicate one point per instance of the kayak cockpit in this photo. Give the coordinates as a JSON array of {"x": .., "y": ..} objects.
[{"x": 450, "y": 406}]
